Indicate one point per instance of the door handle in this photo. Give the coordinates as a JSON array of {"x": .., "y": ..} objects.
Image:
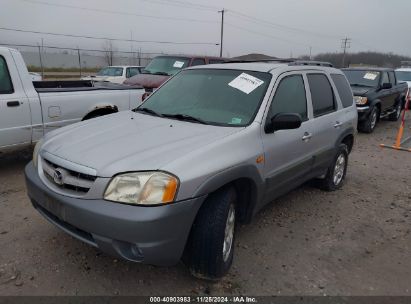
[
  {"x": 337, "y": 124},
  {"x": 307, "y": 136},
  {"x": 13, "y": 103}
]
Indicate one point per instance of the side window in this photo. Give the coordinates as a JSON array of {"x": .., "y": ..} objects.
[
  {"x": 290, "y": 97},
  {"x": 322, "y": 94},
  {"x": 392, "y": 78},
  {"x": 6, "y": 86},
  {"x": 344, "y": 90},
  {"x": 132, "y": 72},
  {"x": 385, "y": 78},
  {"x": 198, "y": 61}
]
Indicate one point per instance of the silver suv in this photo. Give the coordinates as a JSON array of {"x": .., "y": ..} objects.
[{"x": 171, "y": 179}]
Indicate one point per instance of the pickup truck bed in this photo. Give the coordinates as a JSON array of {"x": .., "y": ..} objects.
[{"x": 30, "y": 109}]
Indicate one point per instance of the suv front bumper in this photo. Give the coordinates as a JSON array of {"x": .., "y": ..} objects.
[{"x": 150, "y": 235}]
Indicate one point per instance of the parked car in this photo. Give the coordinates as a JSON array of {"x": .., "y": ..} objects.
[
  {"x": 162, "y": 67},
  {"x": 404, "y": 75},
  {"x": 377, "y": 95},
  {"x": 115, "y": 74},
  {"x": 30, "y": 109},
  {"x": 172, "y": 178}
]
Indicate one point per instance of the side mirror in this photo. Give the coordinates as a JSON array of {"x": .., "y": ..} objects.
[
  {"x": 284, "y": 121},
  {"x": 386, "y": 86}
]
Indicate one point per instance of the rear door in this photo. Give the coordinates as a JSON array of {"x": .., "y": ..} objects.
[
  {"x": 387, "y": 96},
  {"x": 327, "y": 119},
  {"x": 15, "y": 116},
  {"x": 288, "y": 153}
]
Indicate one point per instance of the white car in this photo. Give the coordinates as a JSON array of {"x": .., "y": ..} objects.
[
  {"x": 404, "y": 75},
  {"x": 115, "y": 74}
]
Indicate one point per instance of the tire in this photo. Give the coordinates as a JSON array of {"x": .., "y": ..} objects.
[
  {"x": 369, "y": 125},
  {"x": 205, "y": 254},
  {"x": 397, "y": 114},
  {"x": 336, "y": 172}
]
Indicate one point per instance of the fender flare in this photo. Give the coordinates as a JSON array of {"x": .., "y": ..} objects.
[{"x": 246, "y": 172}]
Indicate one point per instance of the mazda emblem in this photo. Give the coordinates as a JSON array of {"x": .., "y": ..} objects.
[{"x": 58, "y": 177}]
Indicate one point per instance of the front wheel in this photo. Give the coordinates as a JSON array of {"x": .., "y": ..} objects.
[
  {"x": 210, "y": 248},
  {"x": 369, "y": 125},
  {"x": 336, "y": 171}
]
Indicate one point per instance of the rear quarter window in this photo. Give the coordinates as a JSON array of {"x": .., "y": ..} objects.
[
  {"x": 322, "y": 94},
  {"x": 344, "y": 90},
  {"x": 6, "y": 86}
]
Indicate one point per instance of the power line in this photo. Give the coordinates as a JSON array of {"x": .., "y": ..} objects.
[
  {"x": 105, "y": 38},
  {"x": 74, "y": 49},
  {"x": 268, "y": 36},
  {"x": 277, "y": 25},
  {"x": 115, "y": 12}
]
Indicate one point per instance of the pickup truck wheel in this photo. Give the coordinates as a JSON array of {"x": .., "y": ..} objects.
[
  {"x": 397, "y": 114},
  {"x": 337, "y": 171},
  {"x": 210, "y": 248},
  {"x": 369, "y": 125}
]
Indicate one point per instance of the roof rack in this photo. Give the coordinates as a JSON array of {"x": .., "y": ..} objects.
[{"x": 290, "y": 62}]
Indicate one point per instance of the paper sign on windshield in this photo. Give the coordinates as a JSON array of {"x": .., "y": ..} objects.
[
  {"x": 371, "y": 76},
  {"x": 178, "y": 64},
  {"x": 246, "y": 83}
]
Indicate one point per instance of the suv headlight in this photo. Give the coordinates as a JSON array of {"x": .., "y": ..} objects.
[
  {"x": 360, "y": 100},
  {"x": 142, "y": 188},
  {"x": 36, "y": 152}
]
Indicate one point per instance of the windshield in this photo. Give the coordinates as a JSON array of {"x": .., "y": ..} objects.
[
  {"x": 213, "y": 96},
  {"x": 166, "y": 65},
  {"x": 110, "y": 71},
  {"x": 403, "y": 75},
  {"x": 362, "y": 78}
]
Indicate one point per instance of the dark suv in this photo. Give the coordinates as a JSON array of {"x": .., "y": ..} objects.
[{"x": 377, "y": 95}]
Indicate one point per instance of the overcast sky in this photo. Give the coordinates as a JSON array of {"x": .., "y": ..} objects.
[{"x": 280, "y": 28}]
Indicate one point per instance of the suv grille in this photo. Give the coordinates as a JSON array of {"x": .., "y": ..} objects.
[{"x": 65, "y": 179}]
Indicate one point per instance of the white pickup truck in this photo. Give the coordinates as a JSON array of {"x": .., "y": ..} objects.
[{"x": 30, "y": 109}]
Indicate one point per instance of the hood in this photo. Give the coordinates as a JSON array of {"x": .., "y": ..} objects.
[
  {"x": 129, "y": 141},
  {"x": 360, "y": 91},
  {"x": 147, "y": 80}
]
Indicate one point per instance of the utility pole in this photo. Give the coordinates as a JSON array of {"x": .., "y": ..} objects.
[
  {"x": 222, "y": 32},
  {"x": 41, "y": 60},
  {"x": 345, "y": 44},
  {"x": 79, "y": 59},
  {"x": 311, "y": 49}
]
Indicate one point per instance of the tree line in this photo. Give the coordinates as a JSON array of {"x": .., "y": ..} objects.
[{"x": 376, "y": 59}]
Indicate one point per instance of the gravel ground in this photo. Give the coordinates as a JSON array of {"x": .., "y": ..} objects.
[{"x": 355, "y": 241}]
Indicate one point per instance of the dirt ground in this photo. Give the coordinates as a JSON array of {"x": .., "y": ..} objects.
[{"x": 355, "y": 241}]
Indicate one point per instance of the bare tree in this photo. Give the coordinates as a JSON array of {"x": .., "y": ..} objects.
[{"x": 108, "y": 52}]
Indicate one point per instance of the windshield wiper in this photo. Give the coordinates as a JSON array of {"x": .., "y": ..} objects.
[
  {"x": 360, "y": 85},
  {"x": 185, "y": 117},
  {"x": 144, "y": 71},
  {"x": 148, "y": 111}
]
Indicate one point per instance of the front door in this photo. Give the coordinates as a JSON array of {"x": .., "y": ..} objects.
[
  {"x": 288, "y": 153},
  {"x": 15, "y": 117}
]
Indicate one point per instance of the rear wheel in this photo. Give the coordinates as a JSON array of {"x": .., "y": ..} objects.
[
  {"x": 210, "y": 248},
  {"x": 337, "y": 171},
  {"x": 369, "y": 125},
  {"x": 396, "y": 115}
]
